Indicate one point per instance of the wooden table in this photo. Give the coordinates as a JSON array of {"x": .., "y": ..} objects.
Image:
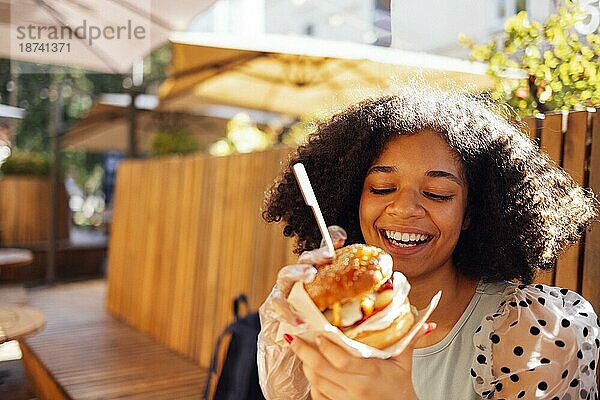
[
  {"x": 11, "y": 257},
  {"x": 17, "y": 321}
]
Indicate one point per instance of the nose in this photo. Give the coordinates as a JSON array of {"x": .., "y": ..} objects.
[{"x": 405, "y": 204}]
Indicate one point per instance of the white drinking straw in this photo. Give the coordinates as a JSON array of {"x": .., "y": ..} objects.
[{"x": 311, "y": 200}]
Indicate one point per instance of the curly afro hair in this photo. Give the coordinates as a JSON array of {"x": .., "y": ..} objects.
[{"x": 523, "y": 209}]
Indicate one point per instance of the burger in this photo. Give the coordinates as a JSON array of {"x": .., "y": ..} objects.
[{"x": 358, "y": 295}]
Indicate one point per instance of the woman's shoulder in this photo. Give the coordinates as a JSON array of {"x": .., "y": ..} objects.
[
  {"x": 542, "y": 337},
  {"x": 537, "y": 298},
  {"x": 526, "y": 309}
]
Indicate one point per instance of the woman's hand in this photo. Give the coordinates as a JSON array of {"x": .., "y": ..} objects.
[
  {"x": 335, "y": 374},
  {"x": 279, "y": 369}
]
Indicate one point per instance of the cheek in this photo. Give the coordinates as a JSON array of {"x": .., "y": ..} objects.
[{"x": 452, "y": 220}]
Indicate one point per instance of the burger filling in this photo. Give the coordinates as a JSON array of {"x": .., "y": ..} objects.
[{"x": 354, "y": 311}]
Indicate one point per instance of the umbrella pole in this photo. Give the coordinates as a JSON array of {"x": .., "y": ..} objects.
[
  {"x": 56, "y": 128},
  {"x": 51, "y": 258},
  {"x": 133, "y": 145}
]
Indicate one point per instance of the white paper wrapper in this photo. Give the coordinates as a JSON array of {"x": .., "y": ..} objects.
[{"x": 315, "y": 323}]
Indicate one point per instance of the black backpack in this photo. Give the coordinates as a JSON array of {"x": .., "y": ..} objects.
[{"x": 237, "y": 377}]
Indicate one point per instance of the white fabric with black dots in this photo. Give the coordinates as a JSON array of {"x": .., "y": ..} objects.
[{"x": 541, "y": 343}]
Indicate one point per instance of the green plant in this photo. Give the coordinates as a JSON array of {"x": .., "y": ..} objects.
[
  {"x": 242, "y": 136},
  {"x": 297, "y": 133},
  {"x": 28, "y": 163},
  {"x": 545, "y": 66},
  {"x": 179, "y": 142}
]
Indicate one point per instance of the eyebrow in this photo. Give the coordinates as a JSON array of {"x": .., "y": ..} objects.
[
  {"x": 382, "y": 168},
  {"x": 387, "y": 169},
  {"x": 445, "y": 174}
]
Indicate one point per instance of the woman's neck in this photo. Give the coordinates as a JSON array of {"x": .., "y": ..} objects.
[{"x": 457, "y": 292}]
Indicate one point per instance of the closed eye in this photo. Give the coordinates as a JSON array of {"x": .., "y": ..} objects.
[
  {"x": 438, "y": 197},
  {"x": 381, "y": 191}
]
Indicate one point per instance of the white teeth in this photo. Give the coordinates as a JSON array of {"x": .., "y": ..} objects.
[{"x": 406, "y": 237}]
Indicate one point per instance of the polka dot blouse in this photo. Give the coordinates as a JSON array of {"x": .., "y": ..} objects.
[{"x": 541, "y": 343}]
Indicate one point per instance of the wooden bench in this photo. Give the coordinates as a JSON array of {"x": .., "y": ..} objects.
[
  {"x": 84, "y": 353},
  {"x": 186, "y": 238}
]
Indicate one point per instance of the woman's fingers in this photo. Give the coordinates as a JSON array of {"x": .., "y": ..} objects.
[
  {"x": 317, "y": 369},
  {"x": 317, "y": 395},
  {"x": 321, "y": 255},
  {"x": 306, "y": 353},
  {"x": 323, "y": 387},
  {"x": 318, "y": 256},
  {"x": 427, "y": 328},
  {"x": 338, "y": 236},
  {"x": 327, "y": 358},
  {"x": 289, "y": 275},
  {"x": 283, "y": 310},
  {"x": 340, "y": 358}
]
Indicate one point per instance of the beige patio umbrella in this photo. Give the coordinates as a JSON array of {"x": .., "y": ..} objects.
[
  {"x": 71, "y": 23},
  {"x": 298, "y": 75},
  {"x": 106, "y": 127},
  {"x": 101, "y": 34}
]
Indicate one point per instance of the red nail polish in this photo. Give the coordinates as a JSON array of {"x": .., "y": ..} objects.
[
  {"x": 299, "y": 321},
  {"x": 430, "y": 328},
  {"x": 288, "y": 338}
]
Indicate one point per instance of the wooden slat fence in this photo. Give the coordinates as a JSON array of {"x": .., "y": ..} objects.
[
  {"x": 25, "y": 210},
  {"x": 187, "y": 236},
  {"x": 568, "y": 139}
]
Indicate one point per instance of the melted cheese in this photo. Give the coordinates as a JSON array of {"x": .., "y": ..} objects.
[
  {"x": 393, "y": 300},
  {"x": 393, "y": 310},
  {"x": 351, "y": 312},
  {"x": 367, "y": 304},
  {"x": 335, "y": 314},
  {"x": 344, "y": 314},
  {"x": 384, "y": 298}
]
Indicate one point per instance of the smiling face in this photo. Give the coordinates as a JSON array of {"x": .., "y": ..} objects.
[{"x": 413, "y": 203}]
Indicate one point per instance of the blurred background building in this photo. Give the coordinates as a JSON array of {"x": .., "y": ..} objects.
[
  {"x": 370, "y": 22},
  {"x": 480, "y": 20},
  {"x": 95, "y": 135}
]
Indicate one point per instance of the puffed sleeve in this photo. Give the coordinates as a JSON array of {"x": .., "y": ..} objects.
[{"x": 542, "y": 343}]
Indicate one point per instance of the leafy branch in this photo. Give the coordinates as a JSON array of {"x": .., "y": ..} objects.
[{"x": 546, "y": 66}]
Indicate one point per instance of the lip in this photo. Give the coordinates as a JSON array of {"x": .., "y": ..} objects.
[{"x": 395, "y": 250}]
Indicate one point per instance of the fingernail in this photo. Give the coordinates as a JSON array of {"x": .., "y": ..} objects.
[
  {"x": 319, "y": 341},
  {"x": 430, "y": 327},
  {"x": 288, "y": 338},
  {"x": 299, "y": 321}
]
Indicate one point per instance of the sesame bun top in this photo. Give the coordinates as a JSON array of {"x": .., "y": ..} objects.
[{"x": 357, "y": 269}]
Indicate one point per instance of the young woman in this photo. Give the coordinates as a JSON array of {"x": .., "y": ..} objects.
[{"x": 464, "y": 203}]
